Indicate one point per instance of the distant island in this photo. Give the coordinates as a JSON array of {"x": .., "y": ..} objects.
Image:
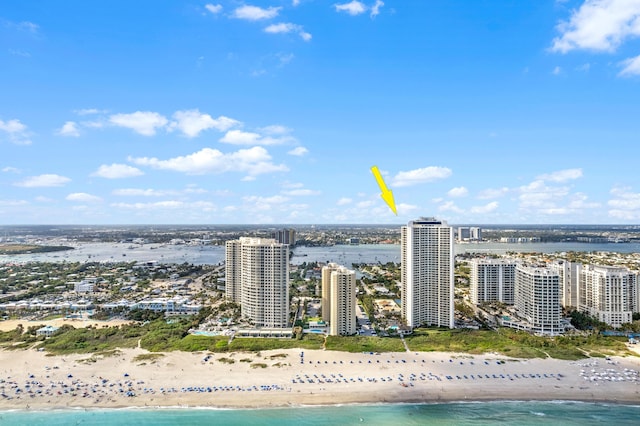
[{"x": 30, "y": 248}]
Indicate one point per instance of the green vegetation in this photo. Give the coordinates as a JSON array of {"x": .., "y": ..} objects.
[
  {"x": 583, "y": 321},
  {"x": 258, "y": 365},
  {"x": 89, "y": 340},
  {"x": 227, "y": 360},
  {"x": 147, "y": 357},
  {"x": 364, "y": 344},
  {"x": 515, "y": 343},
  {"x": 30, "y": 248}
]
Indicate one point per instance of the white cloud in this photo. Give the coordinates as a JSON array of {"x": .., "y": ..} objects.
[
  {"x": 255, "y": 13},
  {"x": 301, "y": 192},
  {"x": 600, "y": 25},
  {"x": 539, "y": 196},
  {"x": 625, "y": 204},
  {"x": 375, "y": 9},
  {"x": 10, "y": 169},
  {"x": 449, "y": 206},
  {"x": 117, "y": 171},
  {"x": 167, "y": 205},
  {"x": 584, "y": 67},
  {"x": 17, "y": 132},
  {"x": 213, "y": 8},
  {"x": 490, "y": 193},
  {"x": 365, "y": 204},
  {"x": 239, "y": 137},
  {"x": 562, "y": 175},
  {"x": 556, "y": 71},
  {"x": 287, "y": 27},
  {"x": 253, "y": 161},
  {"x": 90, "y": 111},
  {"x": 83, "y": 197},
  {"x": 487, "y": 208},
  {"x": 44, "y": 181},
  {"x": 18, "y": 52},
  {"x": 70, "y": 128},
  {"x": 95, "y": 124},
  {"x": 295, "y": 2},
  {"x": 352, "y": 8},
  {"x": 265, "y": 203},
  {"x": 135, "y": 192},
  {"x": 344, "y": 201},
  {"x": 579, "y": 201},
  {"x": 275, "y": 129},
  {"x": 13, "y": 203},
  {"x": 292, "y": 185},
  {"x": 630, "y": 66},
  {"x": 404, "y": 208},
  {"x": 27, "y": 26},
  {"x": 457, "y": 192},
  {"x": 142, "y": 122},
  {"x": 41, "y": 199},
  {"x": 192, "y": 122},
  {"x": 298, "y": 151},
  {"x": 427, "y": 174}
]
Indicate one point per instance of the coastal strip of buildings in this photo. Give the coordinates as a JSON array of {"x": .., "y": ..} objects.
[{"x": 536, "y": 294}]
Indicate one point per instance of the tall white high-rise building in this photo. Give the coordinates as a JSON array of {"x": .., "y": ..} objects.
[
  {"x": 233, "y": 283},
  {"x": 427, "y": 273},
  {"x": 342, "y": 320},
  {"x": 326, "y": 290},
  {"x": 492, "y": 280},
  {"x": 607, "y": 293},
  {"x": 569, "y": 273},
  {"x": 257, "y": 270},
  {"x": 537, "y": 299}
]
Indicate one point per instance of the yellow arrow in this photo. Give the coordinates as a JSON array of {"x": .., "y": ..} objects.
[{"x": 387, "y": 194}]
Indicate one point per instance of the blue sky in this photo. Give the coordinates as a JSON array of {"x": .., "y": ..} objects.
[{"x": 120, "y": 112}]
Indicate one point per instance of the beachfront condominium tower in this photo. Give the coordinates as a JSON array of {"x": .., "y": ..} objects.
[
  {"x": 426, "y": 251},
  {"x": 606, "y": 293},
  {"x": 342, "y": 318},
  {"x": 232, "y": 270},
  {"x": 257, "y": 270},
  {"x": 492, "y": 280},
  {"x": 537, "y": 299},
  {"x": 569, "y": 273},
  {"x": 326, "y": 290}
]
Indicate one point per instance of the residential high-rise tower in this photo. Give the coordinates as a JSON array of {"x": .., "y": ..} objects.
[
  {"x": 342, "y": 320},
  {"x": 427, "y": 273},
  {"x": 257, "y": 271},
  {"x": 492, "y": 280}
]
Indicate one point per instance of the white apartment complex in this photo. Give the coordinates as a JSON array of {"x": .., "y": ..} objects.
[
  {"x": 569, "y": 273},
  {"x": 326, "y": 290},
  {"x": 342, "y": 317},
  {"x": 492, "y": 280},
  {"x": 427, "y": 273},
  {"x": 607, "y": 293},
  {"x": 257, "y": 276},
  {"x": 537, "y": 299},
  {"x": 466, "y": 233}
]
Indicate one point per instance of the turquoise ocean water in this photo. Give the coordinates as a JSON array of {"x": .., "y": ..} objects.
[{"x": 480, "y": 413}]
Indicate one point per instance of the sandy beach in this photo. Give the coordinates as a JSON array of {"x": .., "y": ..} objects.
[{"x": 34, "y": 380}]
